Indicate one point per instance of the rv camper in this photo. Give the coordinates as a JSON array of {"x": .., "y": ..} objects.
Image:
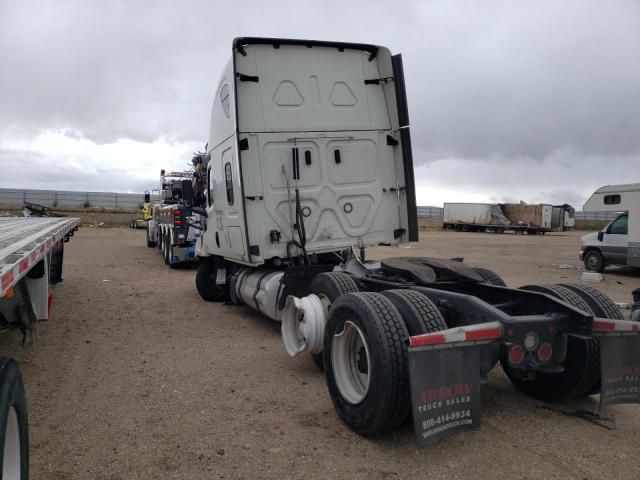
[{"x": 619, "y": 242}]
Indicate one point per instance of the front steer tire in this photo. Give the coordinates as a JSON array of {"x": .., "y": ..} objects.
[
  {"x": 14, "y": 430},
  {"x": 594, "y": 261},
  {"x": 386, "y": 402},
  {"x": 206, "y": 282}
]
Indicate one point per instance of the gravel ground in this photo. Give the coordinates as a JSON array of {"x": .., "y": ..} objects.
[{"x": 136, "y": 377}]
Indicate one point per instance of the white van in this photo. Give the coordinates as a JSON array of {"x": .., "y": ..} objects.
[{"x": 619, "y": 242}]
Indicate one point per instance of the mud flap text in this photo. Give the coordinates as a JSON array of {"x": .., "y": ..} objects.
[
  {"x": 620, "y": 361},
  {"x": 445, "y": 391}
]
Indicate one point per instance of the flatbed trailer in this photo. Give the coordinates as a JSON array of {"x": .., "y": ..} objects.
[
  {"x": 31, "y": 260},
  {"x": 473, "y": 227}
]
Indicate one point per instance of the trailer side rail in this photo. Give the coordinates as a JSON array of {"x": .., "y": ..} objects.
[{"x": 25, "y": 241}]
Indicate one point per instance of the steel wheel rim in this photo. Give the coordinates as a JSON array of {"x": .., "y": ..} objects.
[
  {"x": 593, "y": 260},
  {"x": 351, "y": 363},
  {"x": 11, "y": 455}
]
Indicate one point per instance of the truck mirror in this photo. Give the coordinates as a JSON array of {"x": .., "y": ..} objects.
[
  {"x": 147, "y": 197},
  {"x": 600, "y": 235},
  {"x": 187, "y": 192}
]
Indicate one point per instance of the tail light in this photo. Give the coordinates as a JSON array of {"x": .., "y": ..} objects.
[
  {"x": 545, "y": 352},
  {"x": 516, "y": 354},
  {"x": 177, "y": 218}
]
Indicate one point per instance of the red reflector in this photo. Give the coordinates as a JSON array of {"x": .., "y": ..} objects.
[
  {"x": 483, "y": 334},
  {"x": 601, "y": 325},
  {"x": 544, "y": 352},
  {"x": 177, "y": 212},
  {"x": 49, "y": 304},
  {"x": 426, "y": 339},
  {"x": 516, "y": 354},
  {"x": 177, "y": 221}
]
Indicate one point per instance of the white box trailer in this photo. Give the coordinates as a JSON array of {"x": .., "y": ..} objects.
[
  {"x": 31, "y": 260},
  {"x": 619, "y": 242},
  {"x": 310, "y": 159},
  {"x": 474, "y": 217},
  {"x": 563, "y": 218}
]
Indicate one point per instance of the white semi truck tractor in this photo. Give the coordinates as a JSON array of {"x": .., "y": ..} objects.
[{"x": 309, "y": 163}]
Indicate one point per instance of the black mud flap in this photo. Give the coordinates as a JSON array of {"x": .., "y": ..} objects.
[
  {"x": 445, "y": 391},
  {"x": 620, "y": 367}
]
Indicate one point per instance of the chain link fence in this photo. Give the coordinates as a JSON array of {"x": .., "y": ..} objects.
[{"x": 67, "y": 199}]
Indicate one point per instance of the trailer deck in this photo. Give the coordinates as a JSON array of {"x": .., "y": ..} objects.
[{"x": 25, "y": 240}]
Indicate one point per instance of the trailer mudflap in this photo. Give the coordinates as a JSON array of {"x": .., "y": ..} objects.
[
  {"x": 619, "y": 360},
  {"x": 445, "y": 390}
]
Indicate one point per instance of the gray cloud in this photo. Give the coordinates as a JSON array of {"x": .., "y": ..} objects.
[{"x": 497, "y": 82}]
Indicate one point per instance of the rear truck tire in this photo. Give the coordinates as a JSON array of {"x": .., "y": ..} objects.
[
  {"x": 206, "y": 282},
  {"x": 150, "y": 243},
  {"x": 328, "y": 287},
  {"x": 601, "y": 305},
  {"x": 14, "y": 430},
  {"x": 419, "y": 313},
  {"x": 490, "y": 277},
  {"x": 581, "y": 366},
  {"x": 367, "y": 363},
  {"x": 165, "y": 246},
  {"x": 594, "y": 261}
]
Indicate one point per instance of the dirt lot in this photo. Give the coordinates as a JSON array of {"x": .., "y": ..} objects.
[{"x": 134, "y": 378}]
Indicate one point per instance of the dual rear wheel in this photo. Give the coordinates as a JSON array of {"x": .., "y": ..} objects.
[
  {"x": 365, "y": 333},
  {"x": 580, "y": 373}
]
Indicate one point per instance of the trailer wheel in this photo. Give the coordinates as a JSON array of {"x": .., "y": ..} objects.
[
  {"x": 14, "y": 437},
  {"x": 328, "y": 287},
  {"x": 601, "y": 306},
  {"x": 419, "y": 313},
  {"x": 206, "y": 284},
  {"x": 490, "y": 277},
  {"x": 150, "y": 243},
  {"x": 581, "y": 366},
  {"x": 367, "y": 363}
]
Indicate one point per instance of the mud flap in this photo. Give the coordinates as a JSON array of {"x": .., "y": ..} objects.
[
  {"x": 445, "y": 391},
  {"x": 620, "y": 367}
]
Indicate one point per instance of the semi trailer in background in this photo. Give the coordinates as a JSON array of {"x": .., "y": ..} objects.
[
  {"x": 310, "y": 163},
  {"x": 563, "y": 218},
  {"x": 618, "y": 243},
  {"x": 500, "y": 217},
  {"x": 31, "y": 262}
]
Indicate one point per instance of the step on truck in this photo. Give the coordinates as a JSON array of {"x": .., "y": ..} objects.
[
  {"x": 31, "y": 261},
  {"x": 174, "y": 227},
  {"x": 309, "y": 164}
]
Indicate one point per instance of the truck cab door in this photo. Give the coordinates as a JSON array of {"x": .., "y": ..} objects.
[{"x": 615, "y": 242}]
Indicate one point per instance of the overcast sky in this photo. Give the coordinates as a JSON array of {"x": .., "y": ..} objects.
[{"x": 531, "y": 100}]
